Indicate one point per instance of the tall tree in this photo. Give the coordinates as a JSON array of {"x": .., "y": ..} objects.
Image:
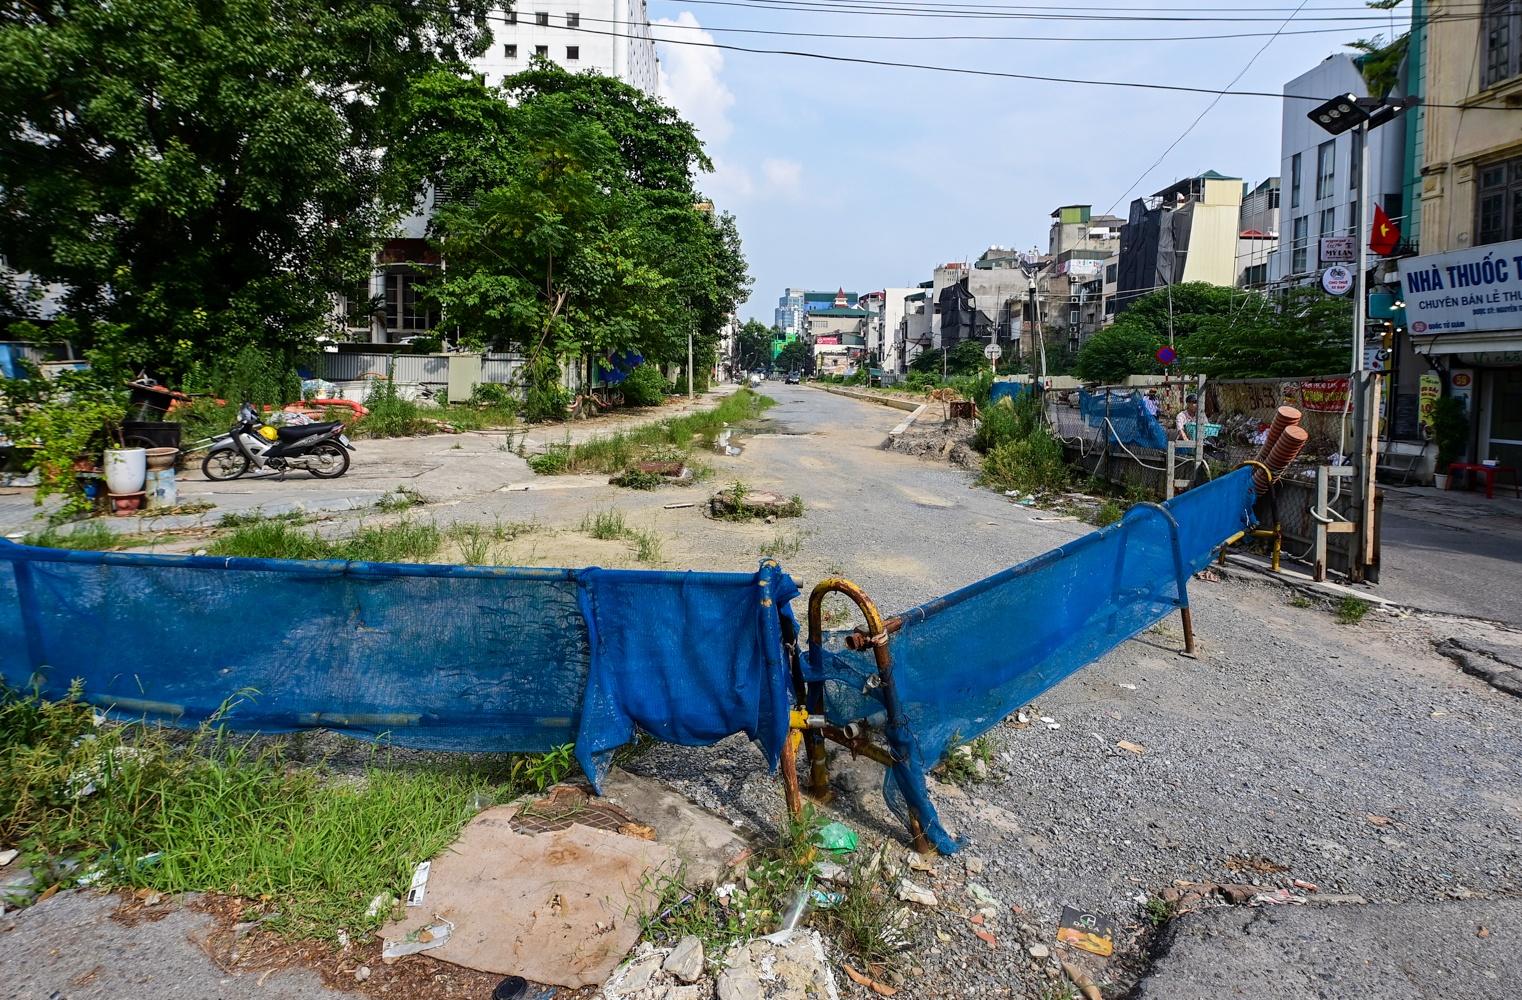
[
  {"x": 573, "y": 224},
  {"x": 753, "y": 346},
  {"x": 205, "y": 174}
]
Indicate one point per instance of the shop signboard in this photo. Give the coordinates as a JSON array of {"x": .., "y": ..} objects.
[
  {"x": 1474, "y": 290},
  {"x": 1338, "y": 249},
  {"x": 1429, "y": 387},
  {"x": 1322, "y": 395},
  {"x": 1337, "y": 280}
]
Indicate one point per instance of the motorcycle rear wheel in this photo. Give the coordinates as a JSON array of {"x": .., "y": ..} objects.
[
  {"x": 221, "y": 466},
  {"x": 329, "y": 460}
]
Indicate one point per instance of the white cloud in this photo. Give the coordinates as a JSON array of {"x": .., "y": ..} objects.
[
  {"x": 783, "y": 177},
  {"x": 690, "y": 78}
]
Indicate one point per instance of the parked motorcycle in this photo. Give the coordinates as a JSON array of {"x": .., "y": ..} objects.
[{"x": 320, "y": 448}]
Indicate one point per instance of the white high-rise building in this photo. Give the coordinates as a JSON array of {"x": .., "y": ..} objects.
[{"x": 611, "y": 37}]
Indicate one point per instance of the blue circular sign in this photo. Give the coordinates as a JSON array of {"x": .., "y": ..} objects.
[{"x": 1166, "y": 355}]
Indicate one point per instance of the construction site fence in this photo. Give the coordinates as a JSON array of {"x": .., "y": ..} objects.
[{"x": 1237, "y": 413}]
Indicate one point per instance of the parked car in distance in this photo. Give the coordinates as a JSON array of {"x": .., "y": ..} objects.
[{"x": 793, "y": 378}]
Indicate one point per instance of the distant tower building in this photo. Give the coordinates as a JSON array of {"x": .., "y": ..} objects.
[{"x": 577, "y": 35}]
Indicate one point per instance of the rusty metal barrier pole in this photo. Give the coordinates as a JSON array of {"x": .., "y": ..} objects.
[
  {"x": 1180, "y": 572},
  {"x": 877, "y": 637}
]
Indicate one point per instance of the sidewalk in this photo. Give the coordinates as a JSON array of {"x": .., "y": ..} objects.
[
  {"x": 1452, "y": 551},
  {"x": 442, "y": 467}
]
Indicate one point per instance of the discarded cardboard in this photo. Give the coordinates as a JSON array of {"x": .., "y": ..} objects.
[{"x": 558, "y": 907}]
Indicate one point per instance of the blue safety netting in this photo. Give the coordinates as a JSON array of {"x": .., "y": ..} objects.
[
  {"x": 1130, "y": 421},
  {"x": 430, "y": 657},
  {"x": 965, "y": 661},
  {"x": 1013, "y": 391}
]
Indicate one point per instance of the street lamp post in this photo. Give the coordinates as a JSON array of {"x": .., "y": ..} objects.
[{"x": 1361, "y": 115}]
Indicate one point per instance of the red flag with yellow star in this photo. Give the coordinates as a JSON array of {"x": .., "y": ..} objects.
[{"x": 1385, "y": 236}]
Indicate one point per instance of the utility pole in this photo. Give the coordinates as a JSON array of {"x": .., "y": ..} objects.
[{"x": 690, "y": 375}]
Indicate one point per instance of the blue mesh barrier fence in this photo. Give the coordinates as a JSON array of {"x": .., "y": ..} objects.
[
  {"x": 1130, "y": 422},
  {"x": 1013, "y": 391},
  {"x": 430, "y": 657},
  {"x": 965, "y": 661}
]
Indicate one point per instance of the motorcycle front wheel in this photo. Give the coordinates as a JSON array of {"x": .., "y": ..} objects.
[
  {"x": 328, "y": 460},
  {"x": 221, "y": 466}
]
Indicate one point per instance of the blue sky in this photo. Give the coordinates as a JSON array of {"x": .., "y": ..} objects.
[{"x": 866, "y": 176}]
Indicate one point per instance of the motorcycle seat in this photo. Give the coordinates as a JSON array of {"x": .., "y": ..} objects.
[{"x": 299, "y": 431}]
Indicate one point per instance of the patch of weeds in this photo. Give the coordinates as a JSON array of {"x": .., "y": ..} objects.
[
  {"x": 1059, "y": 991},
  {"x": 605, "y": 525},
  {"x": 475, "y": 543},
  {"x": 409, "y": 541},
  {"x": 835, "y": 613},
  {"x": 1033, "y": 464},
  {"x": 647, "y": 545},
  {"x": 553, "y": 461},
  {"x": 968, "y": 763},
  {"x": 1107, "y": 513},
  {"x": 1158, "y": 911},
  {"x": 1300, "y": 601},
  {"x": 793, "y": 507},
  {"x": 1351, "y": 610},
  {"x": 506, "y": 531},
  {"x": 91, "y": 535},
  {"x": 868, "y": 923},
  {"x": 783, "y": 545},
  {"x": 190, "y": 507},
  {"x": 225, "y": 815},
  {"x": 637, "y": 479},
  {"x": 237, "y": 519},
  {"x": 400, "y": 499},
  {"x": 272, "y": 539}
]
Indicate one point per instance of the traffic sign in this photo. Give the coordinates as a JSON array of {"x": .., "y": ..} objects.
[
  {"x": 1376, "y": 358},
  {"x": 1166, "y": 355},
  {"x": 1337, "y": 280},
  {"x": 993, "y": 352}
]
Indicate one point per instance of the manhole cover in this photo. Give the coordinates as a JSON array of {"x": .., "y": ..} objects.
[{"x": 566, "y": 805}]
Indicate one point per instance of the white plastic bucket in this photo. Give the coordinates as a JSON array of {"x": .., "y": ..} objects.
[{"x": 126, "y": 469}]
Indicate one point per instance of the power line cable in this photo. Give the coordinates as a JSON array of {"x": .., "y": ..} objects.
[
  {"x": 877, "y": 9},
  {"x": 1208, "y": 108}
]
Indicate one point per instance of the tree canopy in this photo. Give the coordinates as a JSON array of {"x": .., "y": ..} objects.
[
  {"x": 572, "y": 223},
  {"x": 1224, "y": 333},
  {"x": 753, "y": 346},
  {"x": 202, "y": 176}
]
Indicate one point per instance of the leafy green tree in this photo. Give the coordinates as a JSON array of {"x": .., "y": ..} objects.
[
  {"x": 573, "y": 226},
  {"x": 1300, "y": 332},
  {"x": 1118, "y": 350},
  {"x": 203, "y": 176},
  {"x": 1127, "y": 346},
  {"x": 964, "y": 358},
  {"x": 794, "y": 356},
  {"x": 753, "y": 346}
]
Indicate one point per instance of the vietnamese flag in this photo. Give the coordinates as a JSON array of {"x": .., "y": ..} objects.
[{"x": 1385, "y": 236}]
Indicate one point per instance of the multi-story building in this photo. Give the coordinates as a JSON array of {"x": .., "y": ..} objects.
[
  {"x": 984, "y": 300},
  {"x": 1258, "y": 234},
  {"x": 1185, "y": 232},
  {"x": 1468, "y": 326},
  {"x": 1321, "y": 172},
  {"x": 578, "y": 35},
  {"x": 885, "y": 319},
  {"x": 788, "y": 316},
  {"x": 1071, "y": 287},
  {"x": 837, "y": 335}
]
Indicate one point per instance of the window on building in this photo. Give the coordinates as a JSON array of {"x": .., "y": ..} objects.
[
  {"x": 405, "y": 307},
  {"x": 1326, "y": 169},
  {"x": 1299, "y": 245},
  {"x": 1500, "y": 41},
  {"x": 1294, "y": 181},
  {"x": 573, "y": 52},
  {"x": 357, "y": 305},
  {"x": 1111, "y": 272},
  {"x": 573, "y": 20},
  {"x": 1273, "y": 198},
  {"x": 510, "y": 51},
  {"x": 1500, "y": 202},
  {"x": 1328, "y": 224},
  {"x": 510, "y": 17},
  {"x": 542, "y": 18},
  {"x": 541, "y": 50}
]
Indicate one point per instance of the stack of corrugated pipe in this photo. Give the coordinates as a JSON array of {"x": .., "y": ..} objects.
[{"x": 1285, "y": 440}]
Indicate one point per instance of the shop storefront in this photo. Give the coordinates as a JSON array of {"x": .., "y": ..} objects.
[{"x": 1463, "y": 311}]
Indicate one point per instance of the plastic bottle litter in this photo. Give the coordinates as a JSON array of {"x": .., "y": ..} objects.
[
  {"x": 792, "y": 914},
  {"x": 429, "y": 936}
]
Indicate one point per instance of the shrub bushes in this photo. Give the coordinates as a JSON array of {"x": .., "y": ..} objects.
[
  {"x": 645, "y": 386},
  {"x": 1031, "y": 464}
]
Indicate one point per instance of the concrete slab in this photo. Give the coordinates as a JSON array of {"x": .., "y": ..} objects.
[
  {"x": 1395, "y": 951},
  {"x": 706, "y": 844}
]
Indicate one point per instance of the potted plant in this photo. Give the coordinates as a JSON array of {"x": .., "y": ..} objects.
[{"x": 1450, "y": 429}]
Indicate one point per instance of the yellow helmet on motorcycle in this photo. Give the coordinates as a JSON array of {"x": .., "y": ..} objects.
[{"x": 268, "y": 433}]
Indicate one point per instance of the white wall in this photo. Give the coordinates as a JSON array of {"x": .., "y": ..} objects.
[
  {"x": 632, "y": 60},
  {"x": 1298, "y": 134}
]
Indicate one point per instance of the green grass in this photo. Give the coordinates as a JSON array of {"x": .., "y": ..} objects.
[
  {"x": 961, "y": 763},
  {"x": 223, "y": 815},
  {"x": 605, "y": 525},
  {"x": 647, "y": 546},
  {"x": 783, "y": 545},
  {"x": 1108, "y": 513},
  {"x": 1158, "y": 911},
  {"x": 637, "y": 479},
  {"x": 91, "y": 535},
  {"x": 1300, "y": 601},
  {"x": 408, "y": 541},
  {"x": 611, "y": 454},
  {"x": 402, "y": 498},
  {"x": 1033, "y": 464},
  {"x": 1351, "y": 610},
  {"x": 475, "y": 543},
  {"x": 237, "y": 519}
]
